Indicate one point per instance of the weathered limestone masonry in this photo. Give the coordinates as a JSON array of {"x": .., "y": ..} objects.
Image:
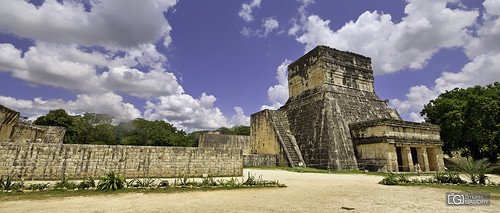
[
  {"x": 329, "y": 90},
  {"x": 393, "y": 145},
  {"x": 225, "y": 142},
  {"x": 52, "y": 161},
  {"x": 37, "y": 152},
  {"x": 13, "y": 130},
  {"x": 239, "y": 142},
  {"x": 8, "y": 118}
]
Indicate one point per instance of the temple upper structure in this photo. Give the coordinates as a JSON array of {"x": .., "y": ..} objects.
[{"x": 330, "y": 91}]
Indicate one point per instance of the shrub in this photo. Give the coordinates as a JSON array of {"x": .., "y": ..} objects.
[
  {"x": 18, "y": 185},
  {"x": 251, "y": 180},
  {"x": 229, "y": 183},
  {"x": 6, "y": 184},
  {"x": 448, "y": 177},
  {"x": 87, "y": 183},
  {"x": 389, "y": 179},
  {"x": 394, "y": 179},
  {"x": 146, "y": 182},
  {"x": 111, "y": 181},
  {"x": 474, "y": 169},
  {"x": 494, "y": 170},
  {"x": 64, "y": 184},
  {"x": 208, "y": 182},
  {"x": 38, "y": 186},
  {"x": 132, "y": 183},
  {"x": 184, "y": 182}
]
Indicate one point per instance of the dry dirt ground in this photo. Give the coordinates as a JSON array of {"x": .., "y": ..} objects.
[{"x": 306, "y": 192}]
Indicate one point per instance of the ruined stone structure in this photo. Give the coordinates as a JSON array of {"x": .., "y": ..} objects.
[
  {"x": 240, "y": 142},
  {"x": 395, "y": 145},
  {"x": 37, "y": 152},
  {"x": 11, "y": 129},
  {"x": 328, "y": 91}
]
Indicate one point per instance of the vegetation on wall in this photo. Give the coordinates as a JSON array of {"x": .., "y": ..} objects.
[
  {"x": 237, "y": 130},
  {"x": 469, "y": 120}
]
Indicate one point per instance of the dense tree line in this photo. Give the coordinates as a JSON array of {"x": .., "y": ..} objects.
[
  {"x": 237, "y": 130},
  {"x": 469, "y": 120},
  {"x": 92, "y": 128}
]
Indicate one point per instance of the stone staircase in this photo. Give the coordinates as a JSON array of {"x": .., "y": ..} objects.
[{"x": 287, "y": 140}]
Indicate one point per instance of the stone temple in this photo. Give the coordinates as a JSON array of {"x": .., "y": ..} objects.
[{"x": 334, "y": 120}]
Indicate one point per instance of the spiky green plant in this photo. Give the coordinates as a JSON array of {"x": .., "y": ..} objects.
[
  {"x": 132, "y": 183},
  {"x": 38, "y": 186},
  {"x": 390, "y": 179},
  {"x": 448, "y": 177},
  {"x": 208, "y": 182},
  {"x": 146, "y": 182},
  {"x": 87, "y": 183},
  {"x": 19, "y": 185},
  {"x": 111, "y": 181},
  {"x": 474, "y": 169},
  {"x": 6, "y": 184},
  {"x": 64, "y": 184}
]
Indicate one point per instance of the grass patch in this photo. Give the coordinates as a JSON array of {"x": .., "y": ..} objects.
[
  {"x": 43, "y": 195},
  {"x": 116, "y": 182},
  {"x": 314, "y": 170}
]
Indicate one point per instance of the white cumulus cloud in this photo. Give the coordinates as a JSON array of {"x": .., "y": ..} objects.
[
  {"x": 428, "y": 26},
  {"x": 186, "y": 112},
  {"x": 99, "y": 49},
  {"x": 484, "y": 54},
  {"x": 111, "y": 23},
  {"x": 106, "y": 103},
  {"x": 239, "y": 119},
  {"x": 278, "y": 94}
]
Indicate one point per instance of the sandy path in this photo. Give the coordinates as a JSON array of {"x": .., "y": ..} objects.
[{"x": 306, "y": 192}]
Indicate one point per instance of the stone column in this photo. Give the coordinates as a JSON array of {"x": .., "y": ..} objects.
[
  {"x": 422, "y": 159},
  {"x": 406, "y": 158},
  {"x": 392, "y": 158}
]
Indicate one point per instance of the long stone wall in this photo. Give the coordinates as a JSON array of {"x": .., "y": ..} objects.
[{"x": 52, "y": 161}]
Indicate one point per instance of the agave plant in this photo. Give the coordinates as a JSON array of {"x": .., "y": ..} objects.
[
  {"x": 65, "y": 184},
  {"x": 6, "y": 184},
  {"x": 87, "y": 183},
  {"x": 111, "y": 181},
  {"x": 146, "y": 182}
]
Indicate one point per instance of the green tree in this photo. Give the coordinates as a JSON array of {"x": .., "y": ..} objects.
[
  {"x": 241, "y": 130},
  {"x": 93, "y": 128},
  {"x": 151, "y": 133},
  {"x": 469, "y": 120},
  {"x": 57, "y": 117},
  {"x": 236, "y": 130},
  {"x": 225, "y": 131}
]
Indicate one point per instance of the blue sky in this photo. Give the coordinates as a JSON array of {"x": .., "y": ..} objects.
[{"x": 207, "y": 64}]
